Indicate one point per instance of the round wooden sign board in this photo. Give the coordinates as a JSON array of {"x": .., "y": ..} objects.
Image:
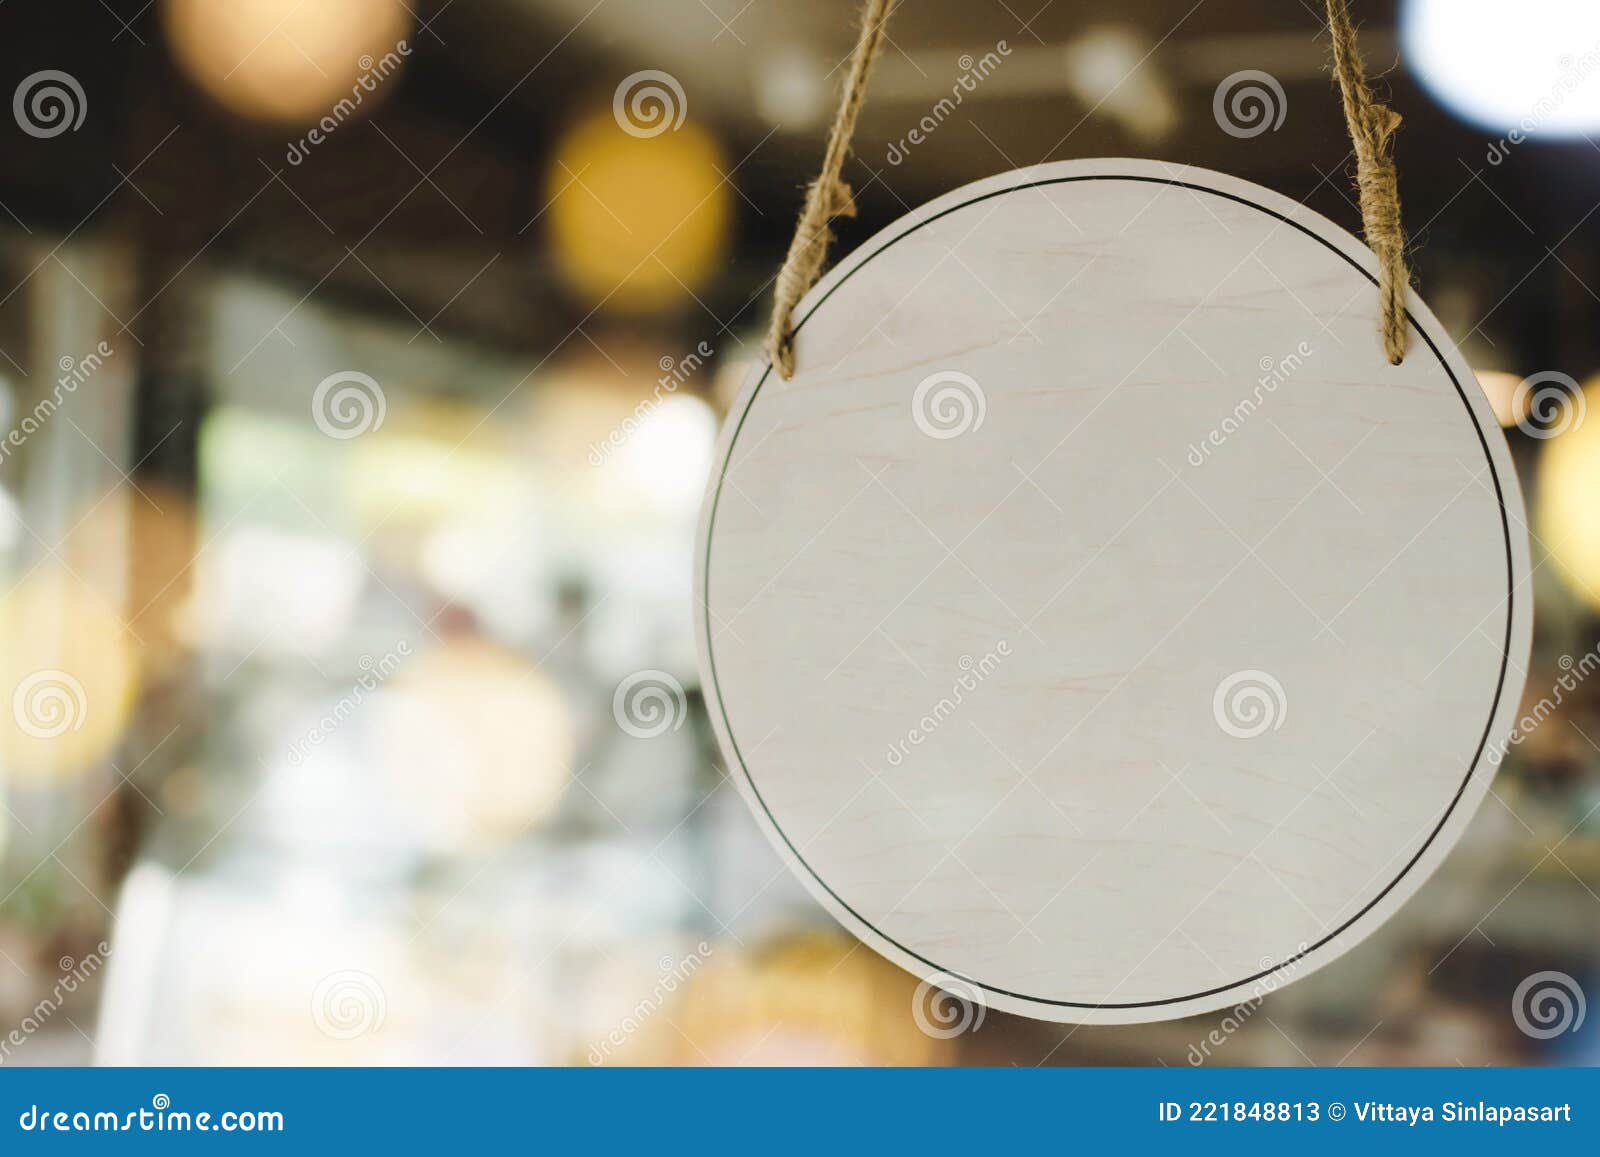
[{"x": 1097, "y": 623}]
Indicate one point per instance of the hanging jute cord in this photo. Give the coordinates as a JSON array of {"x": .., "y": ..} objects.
[
  {"x": 1372, "y": 127},
  {"x": 826, "y": 198}
]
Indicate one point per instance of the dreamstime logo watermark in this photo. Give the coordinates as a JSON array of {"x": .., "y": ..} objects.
[
  {"x": 672, "y": 974},
  {"x": 1248, "y": 703},
  {"x": 1248, "y": 103},
  {"x": 674, "y": 373},
  {"x": 49, "y": 103},
  {"x": 73, "y": 973},
  {"x": 1573, "y": 75},
  {"x": 1273, "y": 374},
  {"x": 973, "y": 672},
  {"x": 649, "y": 703},
  {"x": 973, "y": 73},
  {"x": 649, "y": 103},
  {"x": 349, "y": 1004},
  {"x": 348, "y": 404},
  {"x": 1573, "y": 673},
  {"x": 49, "y": 703},
  {"x": 373, "y": 73},
  {"x": 160, "y": 1117},
  {"x": 74, "y": 372},
  {"x": 1548, "y": 404},
  {"x": 1547, "y": 1004},
  {"x": 948, "y": 404},
  {"x": 946, "y": 1006},
  {"x": 1234, "y": 1019},
  {"x": 373, "y": 673}
]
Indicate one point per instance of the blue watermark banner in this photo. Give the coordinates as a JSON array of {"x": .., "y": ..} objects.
[{"x": 763, "y": 1111}]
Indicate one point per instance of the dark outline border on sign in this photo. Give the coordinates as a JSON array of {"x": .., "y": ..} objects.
[{"x": 1472, "y": 767}]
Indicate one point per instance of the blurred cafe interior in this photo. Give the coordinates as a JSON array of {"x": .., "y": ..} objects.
[{"x": 362, "y": 362}]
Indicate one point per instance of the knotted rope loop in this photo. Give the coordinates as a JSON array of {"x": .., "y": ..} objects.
[
  {"x": 826, "y": 198},
  {"x": 1372, "y": 127},
  {"x": 1371, "y": 124}
]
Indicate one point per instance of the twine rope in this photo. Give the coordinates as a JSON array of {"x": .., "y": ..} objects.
[
  {"x": 827, "y": 197},
  {"x": 1372, "y": 127}
]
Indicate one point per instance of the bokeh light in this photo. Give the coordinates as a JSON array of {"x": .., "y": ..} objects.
[
  {"x": 1508, "y": 67},
  {"x": 67, "y": 674},
  {"x": 477, "y": 743},
  {"x": 288, "y": 60},
  {"x": 636, "y": 223},
  {"x": 632, "y": 440},
  {"x": 1500, "y": 387},
  {"x": 813, "y": 999},
  {"x": 1568, "y": 517},
  {"x": 312, "y": 716}
]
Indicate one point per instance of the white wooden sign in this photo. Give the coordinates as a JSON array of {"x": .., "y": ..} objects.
[{"x": 1098, "y": 625}]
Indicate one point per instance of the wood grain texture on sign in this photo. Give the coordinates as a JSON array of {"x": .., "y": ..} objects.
[{"x": 1097, "y": 624}]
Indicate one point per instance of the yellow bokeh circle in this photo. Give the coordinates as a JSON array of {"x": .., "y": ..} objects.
[
  {"x": 637, "y": 224},
  {"x": 1568, "y": 504},
  {"x": 290, "y": 60},
  {"x": 67, "y": 678}
]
